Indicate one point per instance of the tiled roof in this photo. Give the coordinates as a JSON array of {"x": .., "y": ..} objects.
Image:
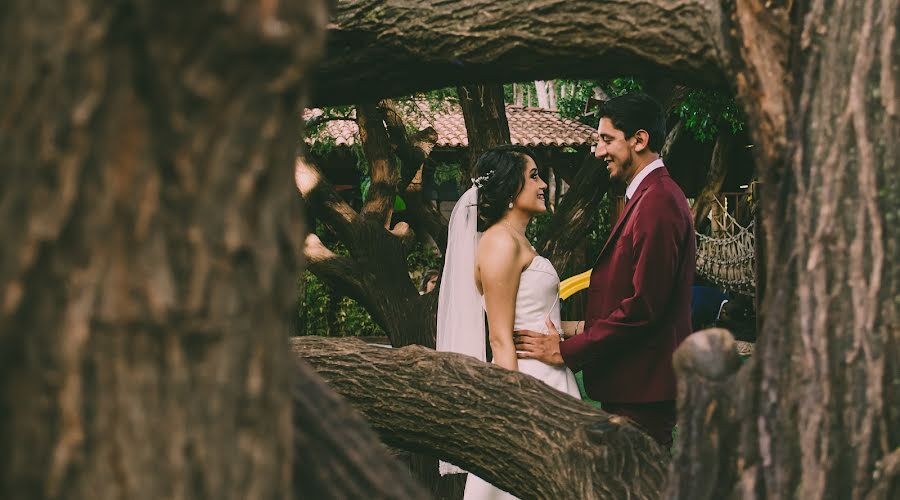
[{"x": 527, "y": 127}]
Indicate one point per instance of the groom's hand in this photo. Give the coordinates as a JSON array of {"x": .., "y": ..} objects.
[{"x": 539, "y": 346}]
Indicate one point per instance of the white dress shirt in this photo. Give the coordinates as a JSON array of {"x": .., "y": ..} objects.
[{"x": 636, "y": 182}]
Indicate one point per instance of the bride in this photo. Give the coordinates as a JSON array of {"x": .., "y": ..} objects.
[{"x": 490, "y": 267}]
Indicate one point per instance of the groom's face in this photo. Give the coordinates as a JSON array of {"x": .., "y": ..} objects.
[{"x": 616, "y": 150}]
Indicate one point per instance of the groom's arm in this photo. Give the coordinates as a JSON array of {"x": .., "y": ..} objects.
[{"x": 657, "y": 242}]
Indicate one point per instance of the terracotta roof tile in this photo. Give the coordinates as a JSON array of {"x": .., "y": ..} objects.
[{"x": 527, "y": 127}]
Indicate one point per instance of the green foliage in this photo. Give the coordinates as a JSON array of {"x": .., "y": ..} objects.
[
  {"x": 438, "y": 98},
  {"x": 509, "y": 94},
  {"x": 422, "y": 258},
  {"x": 623, "y": 85},
  {"x": 572, "y": 105},
  {"x": 706, "y": 112},
  {"x": 599, "y": 234},
  {"x": 324, "y": 313},
  {"x": 537, "y": 229},
  {"x": 447, "y": 172}
]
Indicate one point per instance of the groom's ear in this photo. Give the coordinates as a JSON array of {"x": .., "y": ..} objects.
[{"x": 641, "y": 140}]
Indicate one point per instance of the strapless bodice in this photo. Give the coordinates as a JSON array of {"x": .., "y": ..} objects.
[{"x": 538, "y": 296}]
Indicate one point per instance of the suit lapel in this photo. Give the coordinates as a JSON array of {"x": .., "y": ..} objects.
[{"x": 614, "y": 234}]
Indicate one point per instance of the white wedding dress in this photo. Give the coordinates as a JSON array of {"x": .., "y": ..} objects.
[{"x": 537, "y": 300}]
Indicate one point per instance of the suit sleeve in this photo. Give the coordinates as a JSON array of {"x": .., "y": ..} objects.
[{"x": 657, "y": 243}]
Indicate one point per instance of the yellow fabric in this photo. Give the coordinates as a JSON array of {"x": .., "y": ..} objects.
[{"x": 576, "y": 283}]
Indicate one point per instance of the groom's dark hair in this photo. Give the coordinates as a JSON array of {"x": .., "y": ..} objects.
[
  {"x": 637, "y": 111},
  {"x": 501, "y": 173}
]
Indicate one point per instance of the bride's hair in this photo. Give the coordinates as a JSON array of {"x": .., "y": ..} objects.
[{"x": 500, "y": 177}]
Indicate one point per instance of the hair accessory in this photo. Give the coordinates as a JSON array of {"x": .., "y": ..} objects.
[{"x": 481, "y": 181}]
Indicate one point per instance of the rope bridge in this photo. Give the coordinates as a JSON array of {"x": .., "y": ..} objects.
[{"x": 726, "y": 257}]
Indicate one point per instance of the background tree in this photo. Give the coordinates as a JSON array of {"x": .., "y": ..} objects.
[{"x": 375, "y": 273}]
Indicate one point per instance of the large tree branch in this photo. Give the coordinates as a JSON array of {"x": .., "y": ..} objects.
[
  {"x": 412, "y": 151},
  {"x": 424, "y": 215},
  {"x": 496, "y": 41},
  {"x": 507, "y": 427},
  {"x": 322, "y": 199},
  {"x": 336, "y": 454},
  {"x": 342, "y": 274}
]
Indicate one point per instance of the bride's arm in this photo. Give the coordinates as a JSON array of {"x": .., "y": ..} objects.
[
  {"x": 500, "y": 269},
  {"x": 571, "y": 328}
]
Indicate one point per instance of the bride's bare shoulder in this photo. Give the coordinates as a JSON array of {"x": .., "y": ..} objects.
[{"x": 497, "y": 241}]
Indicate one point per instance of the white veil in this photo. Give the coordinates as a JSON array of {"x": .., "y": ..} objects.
[{"x": 460, "y": 317}]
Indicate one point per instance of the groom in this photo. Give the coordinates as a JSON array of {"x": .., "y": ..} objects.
[{"x": 639, "y": 299}]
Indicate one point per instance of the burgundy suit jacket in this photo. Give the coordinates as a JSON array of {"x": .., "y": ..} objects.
[{"x": 639, "y": 300}]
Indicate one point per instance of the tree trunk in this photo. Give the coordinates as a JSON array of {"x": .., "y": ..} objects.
[
  {"x": 471, "y": 41},
  {"x": 383, "y": 171},
  {"x": 376, "y": 273},
  {"x": 376, "y": 276},
  {"x": 149, "y": 265},
  {"x": 715, "y": 177},
  {"x": 551, "y": 95},
  {"x": 542, "y": 92},
  {"x": 822, "y": 413},
  {"x": 576, "y": 216},
  {"x": 471, "y": 413},
  {"x": 484, "y": 113}
]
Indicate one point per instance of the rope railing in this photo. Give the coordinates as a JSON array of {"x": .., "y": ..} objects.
[{"x": 726, "y": 258}]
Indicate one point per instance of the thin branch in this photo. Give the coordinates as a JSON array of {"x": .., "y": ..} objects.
[{"x": 322, "y": 199}]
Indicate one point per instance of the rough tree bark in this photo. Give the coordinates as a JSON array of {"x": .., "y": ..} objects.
[
  {"x": 149, "y": 261},
  {"x": 447, "y": 405},
  {"x": 484, "y": 113},
  {"x": 383, "y": 170},
  {"x": 707, "y": 365},
  {"x": 336, "y": 453},
  {"x": 822, "y": 99},
  {"x": 148, "y": 265},
  {"x": 472, "y": 41}
]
